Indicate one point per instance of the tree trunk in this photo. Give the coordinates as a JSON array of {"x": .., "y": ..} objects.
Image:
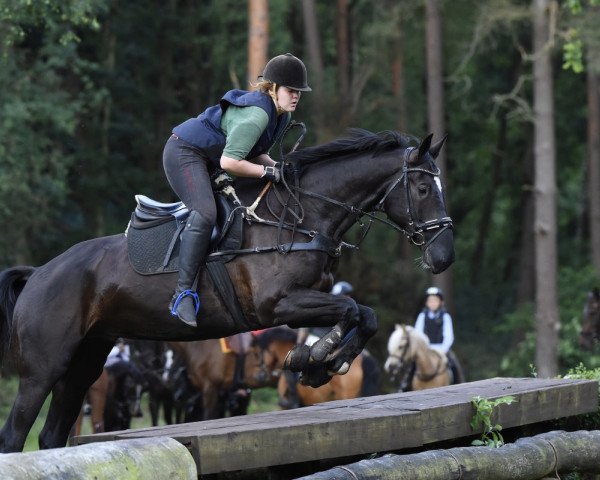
[
  {"x": 258, "y": 37},
  {"x": 593, "y": 86},
  {"x": 342, "y": 48},
  {"x": 547, "y": 318},
  {"x": 315, "y": 66},
  {"x": 530, "y": 458},
  {"x": 436, "y": 111},
  {"x": 526, "y": 285}
]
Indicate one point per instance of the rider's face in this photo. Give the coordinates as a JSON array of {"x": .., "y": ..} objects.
[
  {"x": 433, "y": 302},
  {"x": 288, "y": 98}
]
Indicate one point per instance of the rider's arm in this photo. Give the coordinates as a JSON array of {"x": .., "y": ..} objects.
[
  {"x": 420, "y": 323},
  {"x": 243, "y": 126}
]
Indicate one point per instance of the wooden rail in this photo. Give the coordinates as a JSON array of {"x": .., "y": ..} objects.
[{"x": 366, "y": 425}]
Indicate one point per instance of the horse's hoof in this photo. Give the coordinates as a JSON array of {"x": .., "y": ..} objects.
[
  {"x": 315, "y": 377},
  {"x": 297, "y": 358},
  {"x": 325, "y": 345},
  {"x": 339, "y": 368}
]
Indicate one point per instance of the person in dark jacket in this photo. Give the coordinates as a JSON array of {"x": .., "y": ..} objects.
[{"x": 236, "y": 136}]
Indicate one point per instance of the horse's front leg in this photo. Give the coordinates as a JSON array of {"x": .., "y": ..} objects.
[
  {"x": 305, "y": 307},
  {"x": 340, "y": 360}
]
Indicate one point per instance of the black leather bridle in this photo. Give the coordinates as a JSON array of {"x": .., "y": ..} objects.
[{"x": 416, "y": 230}]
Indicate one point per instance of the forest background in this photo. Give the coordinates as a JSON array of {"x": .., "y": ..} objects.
[{"x": 90, "y": 90}]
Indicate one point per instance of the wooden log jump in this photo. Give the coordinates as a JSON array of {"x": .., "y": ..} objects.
[
  {"x": 159, "y": 457},
  {"x": 528, "y": 458},
  {"x": 366, "y": 425}
]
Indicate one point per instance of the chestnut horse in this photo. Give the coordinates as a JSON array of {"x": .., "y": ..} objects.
[
  {"x": 274, "y": 345},
  {"x": 60, "y": 320},
  {"x": 407, "y": 345},
  {"x": 223, "y": 376}
]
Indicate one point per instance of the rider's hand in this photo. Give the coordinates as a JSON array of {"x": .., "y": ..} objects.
[{"x": 273, "y": 174}]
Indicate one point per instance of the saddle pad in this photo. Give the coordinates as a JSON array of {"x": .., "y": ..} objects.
[
  {"x": 148, "y": 247},
  {"x": 152, "y": 244}
]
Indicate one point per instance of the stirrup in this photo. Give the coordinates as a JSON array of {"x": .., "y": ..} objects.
[{"x": 180, "y": 297}]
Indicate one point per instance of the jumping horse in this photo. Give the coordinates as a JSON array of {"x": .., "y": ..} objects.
[
  {"x": 589, "y": 334},
  {"x": 61, "y": 319},
  {"x": 407, "y": 346}
]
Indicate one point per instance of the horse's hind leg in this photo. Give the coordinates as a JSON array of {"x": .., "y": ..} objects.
[
  {"x": 69, "y": 392},
  {"x": 30, "y": 397}
]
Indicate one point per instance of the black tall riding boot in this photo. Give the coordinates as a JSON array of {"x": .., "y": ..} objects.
[{"x": 192, "y": 252}]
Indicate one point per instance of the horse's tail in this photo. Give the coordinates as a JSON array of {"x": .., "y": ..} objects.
[
  {"x": 12, "y": 282},
  {"x": 371, "y": 375}
]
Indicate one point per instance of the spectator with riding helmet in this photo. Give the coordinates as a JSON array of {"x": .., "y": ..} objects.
[
  {"x": 236, "y": 136},
  {"x": 435, "y": 322}
]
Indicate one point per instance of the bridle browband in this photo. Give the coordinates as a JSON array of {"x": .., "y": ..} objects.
[{"x": 416, "y": 232}]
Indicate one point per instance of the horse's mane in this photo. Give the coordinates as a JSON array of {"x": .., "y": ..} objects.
[
  {"x": 410, "y": 331},
  {"x": 356, "y": 140}
]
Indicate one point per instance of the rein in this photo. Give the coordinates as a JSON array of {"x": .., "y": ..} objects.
[{"x": 292, "y": 206}]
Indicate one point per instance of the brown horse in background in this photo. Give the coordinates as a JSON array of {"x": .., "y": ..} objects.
[
  {"x": 273, "y": 345},
  {"x": 590, "y": 324},
  {"x": 223, "y": 375}
]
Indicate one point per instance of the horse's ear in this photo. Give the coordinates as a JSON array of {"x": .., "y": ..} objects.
[
  {"x": 398, "y": 326},
  {"x": 434, "y": 150},
  {"x": 424, "y": 146}
]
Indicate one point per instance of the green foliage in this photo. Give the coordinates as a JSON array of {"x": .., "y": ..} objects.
[
  {"x": 484, "y": 410},
  {"x": 574, "y": 284},
  {"x": 588, "y": 421},
  {"x": 581, "y": 36}
]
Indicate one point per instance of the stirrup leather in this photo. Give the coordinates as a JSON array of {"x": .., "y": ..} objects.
[{"x": 180, "y": 297}]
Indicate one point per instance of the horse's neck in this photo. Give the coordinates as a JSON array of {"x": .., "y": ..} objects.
[
  {"x": 427, "y": 360},
  {"x": 355, "y": 181}
]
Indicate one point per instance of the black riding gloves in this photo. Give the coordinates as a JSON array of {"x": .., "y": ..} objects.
[{"x": 273, "y": 174}]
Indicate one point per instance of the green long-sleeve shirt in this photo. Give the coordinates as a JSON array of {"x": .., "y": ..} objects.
[{"x": 243, "y": 126}]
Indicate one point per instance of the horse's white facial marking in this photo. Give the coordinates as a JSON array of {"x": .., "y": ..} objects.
[{"x": 438, "y": 182}]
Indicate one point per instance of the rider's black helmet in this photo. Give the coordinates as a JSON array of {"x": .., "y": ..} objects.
[{"x": 287, "y": 71}]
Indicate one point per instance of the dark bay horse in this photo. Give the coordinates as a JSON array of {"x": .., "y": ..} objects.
[
  {"x": 60, "y": 320},
  {"x": 590, "y": 323}
]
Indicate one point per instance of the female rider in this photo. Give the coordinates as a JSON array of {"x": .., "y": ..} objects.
[{"x": 235, "y": 135}]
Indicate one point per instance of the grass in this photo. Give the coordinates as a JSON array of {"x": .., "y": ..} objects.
[{"x": 263, "y": 400}]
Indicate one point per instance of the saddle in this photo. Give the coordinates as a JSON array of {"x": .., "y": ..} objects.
[{"x": 153, "y": 233}]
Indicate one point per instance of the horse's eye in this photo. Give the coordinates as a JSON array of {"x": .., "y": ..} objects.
[{"x": 423, "y": 189}]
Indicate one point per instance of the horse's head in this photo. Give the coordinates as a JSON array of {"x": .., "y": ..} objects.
[
  {"x": 399, "y": 357},
  {"x": 590, "y": 324},
  {"x": 415, "y": 202}
]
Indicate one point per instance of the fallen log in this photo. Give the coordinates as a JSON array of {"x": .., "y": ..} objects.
[
  {"x": 529, "y": 458},
  {"x": 158, "y": 457}
]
